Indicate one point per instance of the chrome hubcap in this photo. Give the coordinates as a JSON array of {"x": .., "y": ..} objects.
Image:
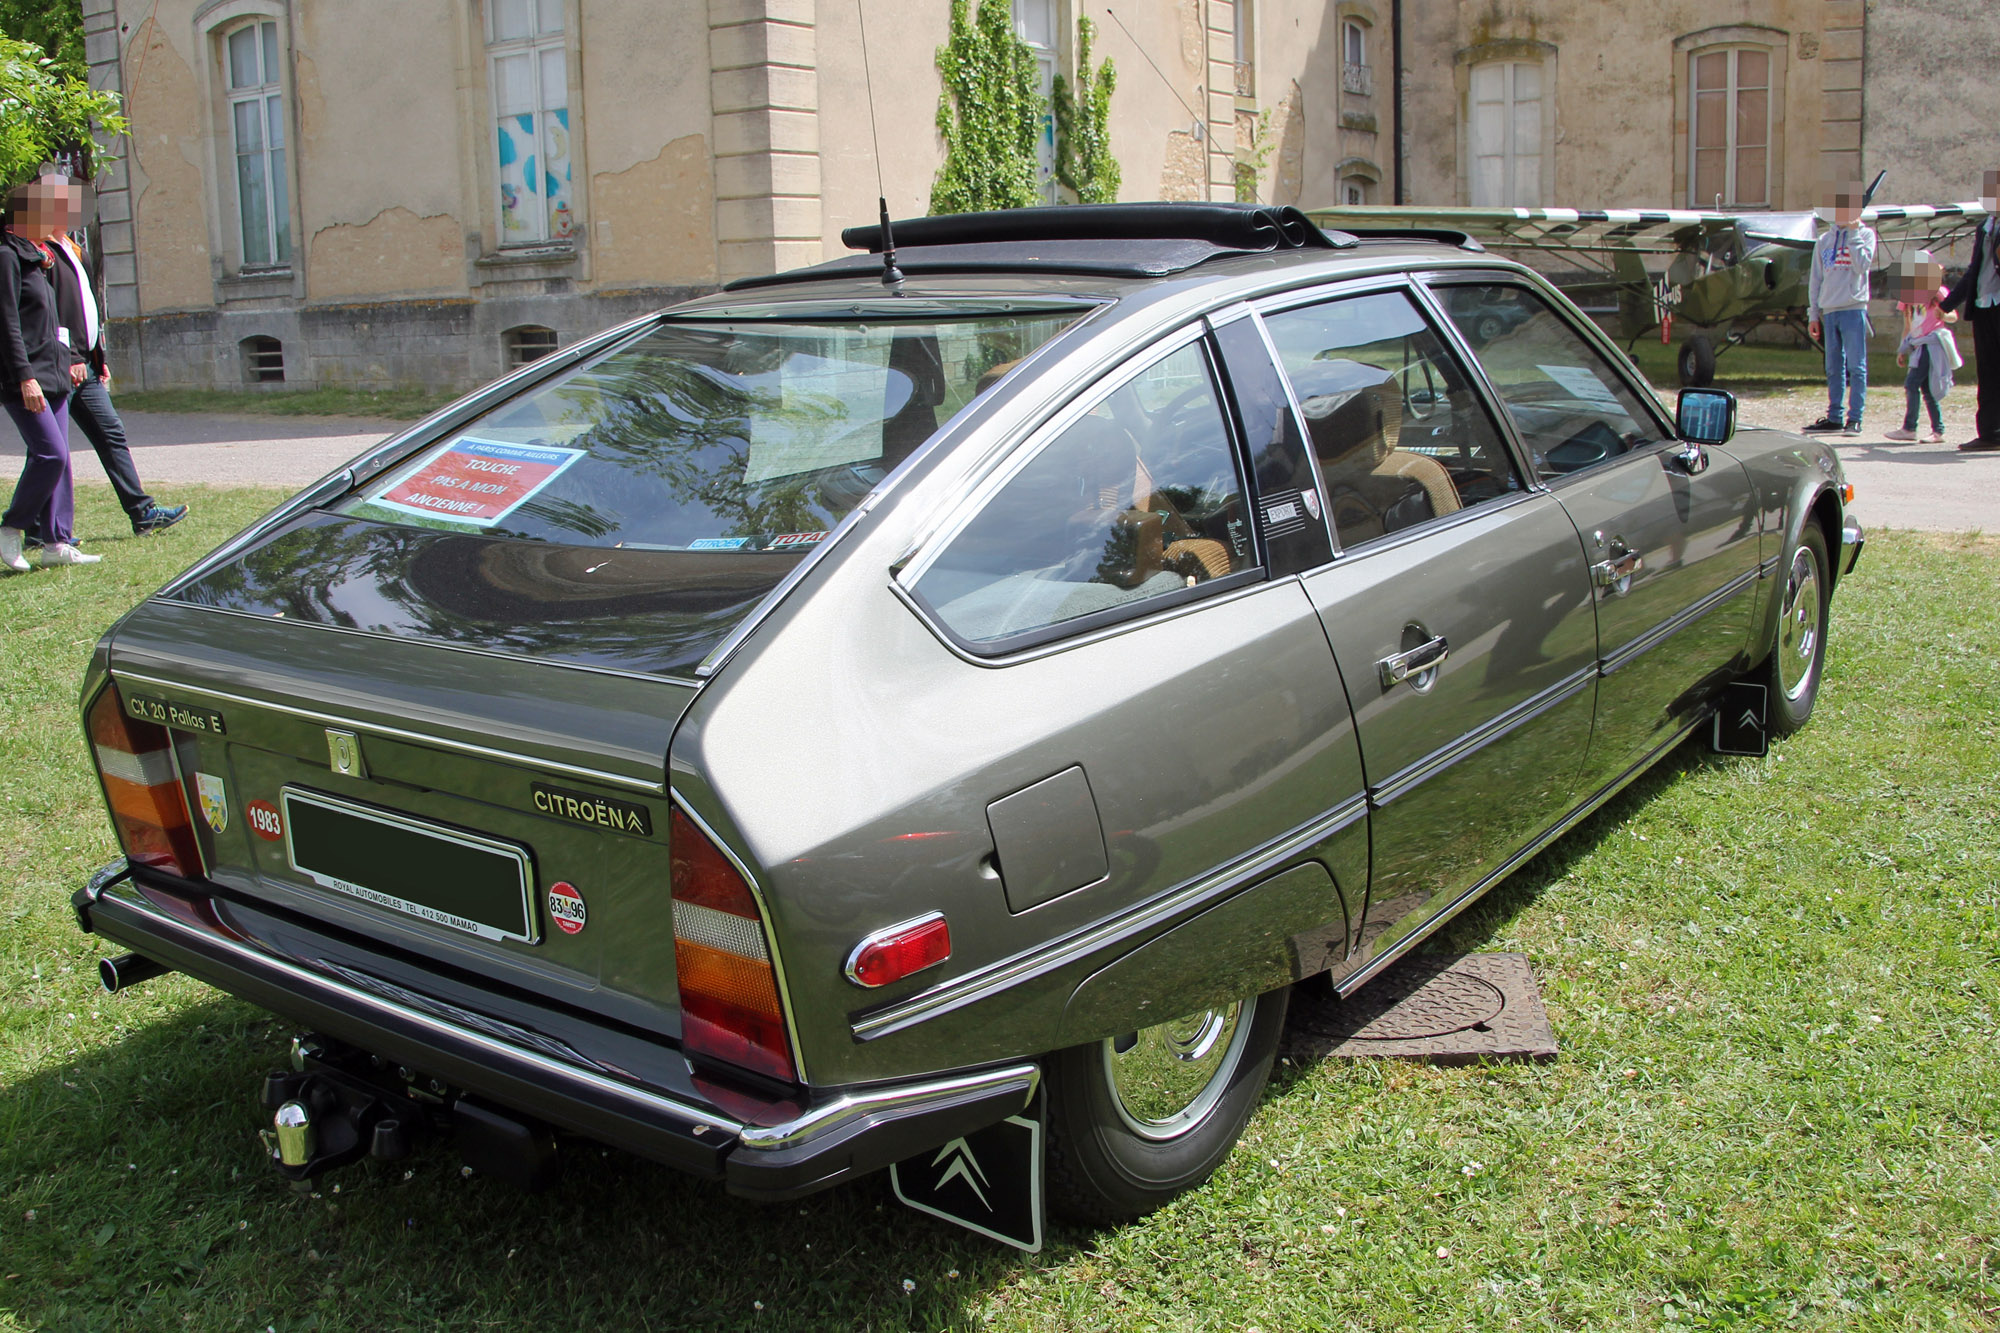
[
  {"x": 1798, "y": 630},
  {"x": 1167, "y": 1078}
]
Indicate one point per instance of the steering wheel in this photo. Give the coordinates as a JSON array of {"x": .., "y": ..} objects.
[{"x": 1428, "y": 397}]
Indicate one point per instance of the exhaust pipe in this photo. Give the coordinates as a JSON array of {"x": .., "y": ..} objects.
[{"x": 126, "y": 970}]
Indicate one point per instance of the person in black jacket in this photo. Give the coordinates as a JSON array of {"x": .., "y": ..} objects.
[
  {"x": 90, "y": 401},
  {"x": 1978, "y": 293},
  {"x": 36, "y": 387}
]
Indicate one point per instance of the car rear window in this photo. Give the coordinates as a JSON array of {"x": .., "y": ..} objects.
[{"x": 748, "y": 437}]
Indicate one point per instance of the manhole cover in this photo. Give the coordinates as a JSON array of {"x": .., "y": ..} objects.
[{"x": 1417, "y": 1006}]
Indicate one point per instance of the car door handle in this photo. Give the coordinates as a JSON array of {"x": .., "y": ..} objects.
[
  {"x": 1399, "y": 667},
  {"x": 1617, "y": 572}
]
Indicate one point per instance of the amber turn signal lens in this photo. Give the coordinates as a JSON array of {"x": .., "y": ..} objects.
[
  {"x": 149, "y": 809},
  {"x": 892, "y": 954},
  {"x": 730, "y": 1010}
]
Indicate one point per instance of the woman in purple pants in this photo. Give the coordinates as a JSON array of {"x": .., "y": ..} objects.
[{"x": 35, "y": 361}]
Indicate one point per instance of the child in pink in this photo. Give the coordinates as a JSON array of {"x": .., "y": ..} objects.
[{"x": 1927, "y": 348}]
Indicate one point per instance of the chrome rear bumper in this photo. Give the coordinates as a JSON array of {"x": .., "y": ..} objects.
[{"x": 842, "y": 1133}]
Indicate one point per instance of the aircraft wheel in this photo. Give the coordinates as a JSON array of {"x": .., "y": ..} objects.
[{"x": 1697, "y": 361}]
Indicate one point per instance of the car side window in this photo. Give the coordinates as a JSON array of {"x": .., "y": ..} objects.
[
  {"x": 1571, "y": 408},
  {"x": 1138, "y": 499},
  {"x": 1400, "y": 435}
]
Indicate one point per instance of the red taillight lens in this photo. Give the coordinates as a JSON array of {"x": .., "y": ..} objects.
[
  {"x": 148, "y": 807},
  {"x": 730, "y": 1009},
  {"x": 892, "y": 954}
]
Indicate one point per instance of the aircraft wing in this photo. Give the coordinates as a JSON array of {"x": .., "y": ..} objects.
[
  {"x": 1930, "y": 226},
  {"x": 1662, "y": 231}
]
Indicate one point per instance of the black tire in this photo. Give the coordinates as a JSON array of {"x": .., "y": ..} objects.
[
  {"x": 1697, "y": 361},
  {"x": 1104, "y": 1165},
  {"x": 1798, "y": 641}
]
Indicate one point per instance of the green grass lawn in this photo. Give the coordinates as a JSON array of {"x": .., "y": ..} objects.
[
  {"x": 1774, "y": 983},
  {"x": 393, "y": 404},
  {"x": 1764, "y": 366}
]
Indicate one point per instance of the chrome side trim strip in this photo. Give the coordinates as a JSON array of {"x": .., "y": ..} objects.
[
  {"x": 996, "y": 977},
  {"x": 311, "y": 983},
  {"x": 1768, "y": 566},
  {"x": 401, "y": 734},
  {"x": 689, "y": 682},
  {"x": 901, "y": 1100},
  {"x": 1396, "y": 784},
  {"x": 1674, "y": 624},
  {"x": 1352, "y": 981}
]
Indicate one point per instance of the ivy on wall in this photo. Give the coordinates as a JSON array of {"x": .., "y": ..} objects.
[
  {"x": 1084, "y": 165},
  {"x": 988, "y": 113}
]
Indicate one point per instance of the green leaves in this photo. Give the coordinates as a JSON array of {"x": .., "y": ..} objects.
[
  {"x": 988, "y": 113},
  {"x": 44, "y": 108},
  {"x": 1084, "y": 164}
]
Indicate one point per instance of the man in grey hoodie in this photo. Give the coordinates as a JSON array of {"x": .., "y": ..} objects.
[{"x": 1837, "y": 306}]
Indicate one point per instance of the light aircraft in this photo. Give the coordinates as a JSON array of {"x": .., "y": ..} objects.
[{"x": 1726, "y": 272}]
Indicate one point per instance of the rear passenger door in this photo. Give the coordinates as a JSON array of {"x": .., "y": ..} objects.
[
  {"x": 1673, "y": 554},
  {"x": 1458, "y": 606}
]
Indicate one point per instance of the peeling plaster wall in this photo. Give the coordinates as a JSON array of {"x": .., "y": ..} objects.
[
  {"x": 394, "y": 253},
  {"x": 169, "y": 198},
  {"x": 1296, "y": 56},
  {"x": 1932, "y": 100},
  {"x": 651, "y": 196},
  {"x": 654, "y": 221},
  {"x": 1153, "y": 120}
]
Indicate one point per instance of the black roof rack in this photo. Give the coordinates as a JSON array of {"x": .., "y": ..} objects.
[
  {"x": 1242, "y": 227},
  {"x": 1144, "y": 240}
]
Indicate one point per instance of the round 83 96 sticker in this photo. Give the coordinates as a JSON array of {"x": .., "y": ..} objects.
[{"x": 566, "y": 907}]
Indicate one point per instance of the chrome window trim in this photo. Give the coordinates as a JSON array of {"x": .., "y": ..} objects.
[
  {"x": 904, "y": 579},
  {"x": 1190, "y": 897},
  {"x": 623, "y": 673},
  {"x": 401, "y": 734},
  {"x": 721, "y": 844}
]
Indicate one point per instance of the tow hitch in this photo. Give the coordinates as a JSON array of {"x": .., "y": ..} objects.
[{"x": 337, "y": 1106}]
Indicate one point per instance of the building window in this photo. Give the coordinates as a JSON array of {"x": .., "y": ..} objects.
[
  {"x": 529, "y": 342},
  {"x": 1037, "y": 24},
  {"x": 1506, "y": 133},
  {"x": 263, "y": 360},
  {"x": 528, "y": 72},
  {"x": 257, "y": 130},
  {"x": 1355, "y": 76},
  {"x": 1246, "y": 52},
  {"x": 1731, "y": 139},
  {"x": 1354, "y": 192}
]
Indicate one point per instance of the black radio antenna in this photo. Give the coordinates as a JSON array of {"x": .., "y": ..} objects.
[{"x": 892, "y": 277}]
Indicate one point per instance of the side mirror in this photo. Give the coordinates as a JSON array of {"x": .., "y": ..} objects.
[{"x": 1705, "y": 416}]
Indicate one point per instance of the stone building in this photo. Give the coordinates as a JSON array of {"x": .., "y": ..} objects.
[{"x": 365, "y": 193}]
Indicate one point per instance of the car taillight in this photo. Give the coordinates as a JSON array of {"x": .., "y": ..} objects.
[
  {"x": 730, "y": 1009},
  {"x": 149, "y": 808}
]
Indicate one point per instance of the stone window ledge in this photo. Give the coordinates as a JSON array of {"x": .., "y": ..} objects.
[
  {"x": 254, "y": 284},
  {"x": 528, "y": 263}
]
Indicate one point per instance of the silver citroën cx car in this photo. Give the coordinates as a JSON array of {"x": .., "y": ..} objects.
[{"x": 839, "y": 720}]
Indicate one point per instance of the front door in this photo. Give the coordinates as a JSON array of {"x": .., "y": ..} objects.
[
  {"x": 1459, "y": 608},
  {"x": 1673, "y": 554}
]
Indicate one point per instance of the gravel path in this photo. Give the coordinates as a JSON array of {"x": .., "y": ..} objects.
[{"x": 1927, "y": 486}]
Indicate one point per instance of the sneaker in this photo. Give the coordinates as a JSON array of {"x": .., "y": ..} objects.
[
  {"x": 1935, "y": 437},
  {"x": 10, "y": 550},
  {"x": 1906, "y": 433},
  {"x": 1851, "y": 428},
  {"x": 62, "y": 553},
  {"x": 1823, "y": 426},
  {"x": 157, "y": 518}
]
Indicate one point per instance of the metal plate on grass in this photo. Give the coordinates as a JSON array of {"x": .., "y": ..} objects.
[{"x": 1441, "y": 1009}]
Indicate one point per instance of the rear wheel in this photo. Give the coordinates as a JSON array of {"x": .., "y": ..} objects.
[
  {"x": 1697, "y": 361},
  {"x": 1798, "y": 649},
  {"x": 1137, "y": 1119}
]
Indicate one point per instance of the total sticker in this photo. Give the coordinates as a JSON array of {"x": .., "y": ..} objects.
[
  {"x": 265, "y": 821},
  {"x": 566, "y": 907}
]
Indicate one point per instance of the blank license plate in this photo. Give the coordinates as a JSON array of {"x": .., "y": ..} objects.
[{"x": 442, "y": 875}]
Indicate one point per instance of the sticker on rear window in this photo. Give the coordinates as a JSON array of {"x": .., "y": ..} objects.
[
  {"x": 214, "y": 801},
  {"x": 476, "y": 481},
  {"x": 779, "y": 543},
  {"x": 566, "y": 907},
  {"x": 718, "y": 543}
]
